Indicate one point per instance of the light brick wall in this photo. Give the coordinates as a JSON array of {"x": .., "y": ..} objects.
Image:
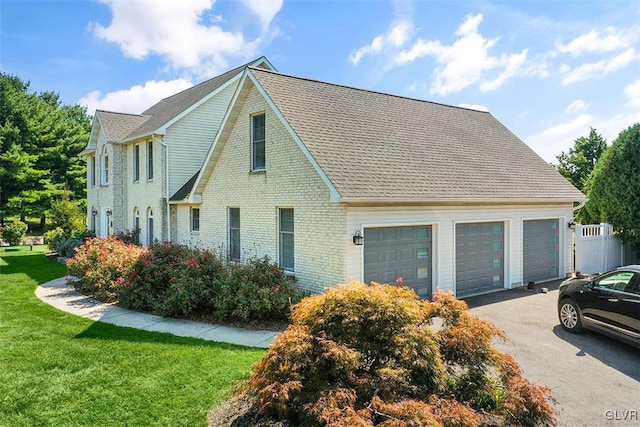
[
  {"x": 290, "y": 181},
  {"x": 184, "y": 235},
  {"x": 145, "y": 194}
]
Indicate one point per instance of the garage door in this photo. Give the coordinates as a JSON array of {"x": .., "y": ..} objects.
[
  {"x": 479, "y": 258},
  {"x": 393, "y": 252},
  {"x": 540, "y": 250}
]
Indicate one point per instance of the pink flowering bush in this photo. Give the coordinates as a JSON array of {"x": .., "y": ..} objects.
[
  {"x": 257, "y": 290},
  {"x": 100, "y": 266},
  {"x": 173, "y": 280}
]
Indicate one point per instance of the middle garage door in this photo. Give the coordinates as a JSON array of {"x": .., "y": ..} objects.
[
  {"x": 479, "y": 258},
  {"x": 393, "y": 252}
]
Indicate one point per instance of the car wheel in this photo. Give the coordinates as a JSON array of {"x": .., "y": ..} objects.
[{"x": 569, "y": 315}]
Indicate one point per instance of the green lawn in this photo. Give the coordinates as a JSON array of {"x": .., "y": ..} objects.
[{"x": 60, "y": 369}]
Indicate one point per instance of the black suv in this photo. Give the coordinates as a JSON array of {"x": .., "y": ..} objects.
[{"x": 609, "y": 304}]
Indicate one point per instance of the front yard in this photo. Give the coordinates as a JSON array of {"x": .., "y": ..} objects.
[{"x": 59, "y": 369}]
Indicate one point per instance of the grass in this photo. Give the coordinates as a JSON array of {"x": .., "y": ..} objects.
[{"x": 60, "y": 369}]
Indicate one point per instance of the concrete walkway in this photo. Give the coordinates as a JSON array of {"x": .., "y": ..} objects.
[{"x": 63, "y": 296}]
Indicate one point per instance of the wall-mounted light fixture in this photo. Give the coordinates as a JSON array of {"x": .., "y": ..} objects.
[
  {"x": 94, "y": 211},
  {"x": 571, "y": 225},
  {"x": 358, "y": 240},
  {"x": 108, "y": 212}
]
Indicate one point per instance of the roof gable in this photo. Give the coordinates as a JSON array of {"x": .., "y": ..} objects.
[
  {"x": 170, "y": 109},
  {"x": 117, "y": 126},
  {"x": 379, "y": 147}
]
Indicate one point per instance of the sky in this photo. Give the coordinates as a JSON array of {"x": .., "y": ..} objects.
[{"x": 548, "y": 70}]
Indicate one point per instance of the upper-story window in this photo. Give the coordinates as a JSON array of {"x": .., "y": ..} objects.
[
  {"x": 150, "y": 160},
  {"x": 258, "y": 155},
  {"x": 105, "y": 166},
  {"x": 136, "y": 162},
  {"x": 92, "y": 171}
]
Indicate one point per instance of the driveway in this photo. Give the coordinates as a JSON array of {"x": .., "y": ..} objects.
[{"x": 595, "y": 379}]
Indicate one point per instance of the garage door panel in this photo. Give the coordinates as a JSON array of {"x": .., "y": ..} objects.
[
  {"x": 393, "y": 252},
  {"x": 479, "y": 258},
  {"x": 540, "y": 250}
]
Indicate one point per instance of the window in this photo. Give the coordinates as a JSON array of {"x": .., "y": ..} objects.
[
  {"x": 136, "y": 162},
  {"x": 195, "y": 219},
  {"x": 92, "y": 171},
  {"x": 234, "y": 233},
  {"x": 149, "y": 227},
  {"x": 136, "y": 225},
  {"x": 105, "y": 166},
  {"x": 286, "y": 239},
  {"x": 617, "y": 281},
  {"x": 150, "y": 160},
  {"x": 257, "y": 142}
]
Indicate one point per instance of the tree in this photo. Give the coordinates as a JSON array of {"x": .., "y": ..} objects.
[
  {"x": 361, "y": 355},
  {"x": 577, "y": 165},
  {"x": 614, "y": 189},
  {"x": 39, "y": 144}
]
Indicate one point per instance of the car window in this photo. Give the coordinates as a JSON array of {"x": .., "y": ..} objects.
[
  {"x": 634, "y": 289},
  {"x": 617, "y": 281}
]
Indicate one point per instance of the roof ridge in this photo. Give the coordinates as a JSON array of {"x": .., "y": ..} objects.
[
  {"x": 238, "y": 68},
  {"x": 119, "y": 112},
  {"x": 376, "y": 92}
]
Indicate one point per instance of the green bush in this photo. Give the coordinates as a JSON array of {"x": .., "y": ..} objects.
[
  {"x": 15, "y": 233},
  {"x": 257, "y": 290},
  {"x": 366, "y": 355},
  {"x": 52, "y": 237},
  {"x": 100, "y": 266},
  {"x": 68, "y": 215},
  {"x": 66, "y": 247}
]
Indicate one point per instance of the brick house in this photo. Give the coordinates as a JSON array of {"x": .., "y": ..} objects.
[
  {"x": 336, "y": 182},
  {"x": 443, "y": 196}
]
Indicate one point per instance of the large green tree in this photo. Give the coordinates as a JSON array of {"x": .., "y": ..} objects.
[
  {"x": 40, "y": 139},
  {"x": 614, "y": 189},
  {"x": 577, "y": 164}
]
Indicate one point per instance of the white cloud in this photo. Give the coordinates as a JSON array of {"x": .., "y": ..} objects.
[
  {"x": 595, "y": 69},
  {"x": 577, "y": 106},
  {"x": 135, "y": 99},
  {"x": 177, "y": 32},
  {"x": 466, "y": 61},
  {"x": 266, "y": 10},
  {"x": 608, "y": 40},
  {"x": 396, "y": 37},
  {"x": 477, "y": 107},
  {"x": 558, "y": 138},
  {"x": 632, "y": 93}
]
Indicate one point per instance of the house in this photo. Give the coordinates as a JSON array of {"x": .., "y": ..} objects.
[
  {"x": 335, "y": 182},
  {"x": 137, "y": 162}
]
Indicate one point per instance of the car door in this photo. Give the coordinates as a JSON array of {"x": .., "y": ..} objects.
[
  {"x": 630, "y": 309},
  {"x": 601, "y": 300}
]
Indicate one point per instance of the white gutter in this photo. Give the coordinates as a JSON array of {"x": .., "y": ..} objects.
[{"x": 166, "y": 162}]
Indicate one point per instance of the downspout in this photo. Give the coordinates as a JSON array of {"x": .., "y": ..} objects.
[{"x": 166, "y": 162}]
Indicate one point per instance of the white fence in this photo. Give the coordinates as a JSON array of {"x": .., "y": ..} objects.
[{"x": 597, "y": 248}]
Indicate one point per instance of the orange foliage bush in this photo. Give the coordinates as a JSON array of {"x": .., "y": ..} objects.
[{"x": 366, "y": 355}]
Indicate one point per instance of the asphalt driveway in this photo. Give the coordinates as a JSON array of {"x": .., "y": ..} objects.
[{"x": 595, "y": 379}]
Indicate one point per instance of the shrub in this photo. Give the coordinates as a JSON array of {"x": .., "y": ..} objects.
[
  {"x": 66, "y": 247},
  {"x": 53, "y": 236},
  {"x": 67, "y": 214},
  {"x": 101, "y": 264},
  {"x": 173, "y": 280},
  {"x": 15, "y": 233},
  {"x": 131, "y": 237},
  {"x": 366, "y": 355},
  {"x": 257, "y": 290}
]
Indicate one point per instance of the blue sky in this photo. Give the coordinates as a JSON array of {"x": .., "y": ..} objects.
[{"x": 548, "y": 70}]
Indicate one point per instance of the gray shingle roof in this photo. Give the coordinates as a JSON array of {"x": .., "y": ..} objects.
[
  {"x": 184, "y": 191},
  {"x": 379, "y": 147},
  {"x": 117, "y": 126}
]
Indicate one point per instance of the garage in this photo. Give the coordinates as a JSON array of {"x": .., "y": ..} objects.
[
  {"x": 393, "y": 252},
  {"x": 540, "y": 250},
  {"x": 479, "y": 258}
]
